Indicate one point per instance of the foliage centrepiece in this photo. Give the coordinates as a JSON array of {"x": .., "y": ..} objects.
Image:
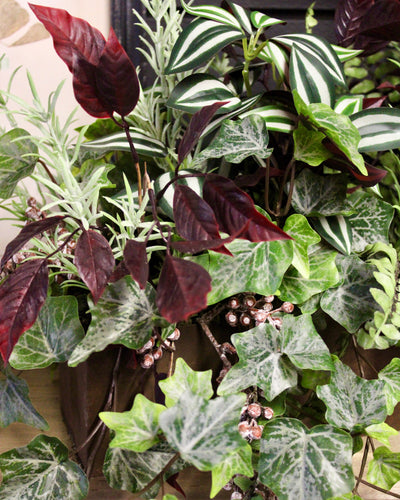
[{"x": 244, "y": 190}]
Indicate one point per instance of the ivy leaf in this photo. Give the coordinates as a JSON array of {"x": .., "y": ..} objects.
[
  {"x": 381, "y": 432},
  {"x": 299, "y": 463},
  {"x": 183, "y": 379},
  {"x": 15, "y": 405},
  {"x": 384, "y": 468},
  {"x": 123, "y": 315},
  {"x": 351, "y": 303},
  {"x": 137, "y": 429},
  {"x": 391, "y": 376},
  {"x": 40, "y": 466},
  {"x": 352, "y": 402},
  {"x": 215, "y": 434},
  {"x": 52, "y": 338},
  {"x": 308, "y": 146},
  {"x": 268, "y": 358},
  {"x": 237, "y": 140}
]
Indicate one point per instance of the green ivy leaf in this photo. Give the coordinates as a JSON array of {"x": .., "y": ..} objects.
[
  {"x": 384, "y": 468},
  {"x": 268, "y": 358},
  {"x": 204, "y": 432},
  {"x": 391, "y": 376},
  {"x": 123, "y": 315},
  {"x": 237, "y": 140},
  {"x": 299, "y": 463},
  {"x": 348, "y": 496},
  {"x": 381, "y": 432},
  {"x": 137, "y": 429},
  {"x": 41, "y": 466},
  {"x": 52, "y": 338},
  {"x": 183, "y": 379},
  {"x": 15, "y": 405},
  {"x": 351, "y": 303},
  {"x": 352, "y": 402},
  {"x": 308, "y": 146}
]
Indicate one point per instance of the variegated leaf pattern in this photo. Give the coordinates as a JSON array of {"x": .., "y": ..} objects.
[
  {"x": 384, "y": 468},
  {"x": 296, "y": 462},
  {"x": 279, "y": 56},
  {"x": 261, "y": 20},
  {"x": 348, "y": 105},
  {"x": 390, "y": 374},
  {"x": 379, "y": 128},
  {"x": 336, "y": 230},
  {"x": 277, "y": 118},
  {"x": 212, "y": 12},
  {"x": 344, "y": 53},
  {"x": 242, "y": 15}
]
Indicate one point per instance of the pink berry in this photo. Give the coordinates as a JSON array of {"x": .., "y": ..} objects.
[
  {"x": 233, "y": 303},
  {"x": 245, "y": 319},
  {"x": 231, "y": 318},
  {"x": 236, "y": 495},
  {"x": 175, "y": 335},
  {"x": 249, "y": 301},
  {"x": 269, "y": 298},
  {"x": 147, "y": 346},
  {"x": 147, "y": 361},
  {"x": 287, "y": 307},
  {"x": 157, "y": 353},
  {"x": 256, "y": 432},
  {"x": 244, "y": 429},
  {"x": 268, "y": 413},
  {"x": 254, "y": 410}
]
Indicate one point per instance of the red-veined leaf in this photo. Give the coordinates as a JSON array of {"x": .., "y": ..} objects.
[
  {"x": 234, "y": 209},
  {"x": 182, "y": 289},
  {"x": 95, "y": 261},
  {"x": 22, "y": 296},
  {"x": 27, "y": 232},
  {"x": 348, "y": 16},
  {"x": 135, "y": 260}
]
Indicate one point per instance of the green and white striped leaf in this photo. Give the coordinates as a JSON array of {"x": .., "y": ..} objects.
[
  {"x": 379, "y": 129},
  {"x": 345, "y": 54},
  {"x": 124, "y": 314},
  {"x": 261, "y": 20},
  {"x": 144, "y": 144},
  {"x": 199, "y": 90},
  {"x": 242, "y": 15},
  {"x": 199, "y": 41},
  {"x": 212, "y": 12},
  {"x": 277, "y": 118},
  {"x": 279, "y": 56},
  {"x": 348, "y": 105},
  {"x": 41, "y": 466},
  {"x": 336, "y": 230},
  {"x": 384, "y": 468},
  {"x": 300, "y": 463}
]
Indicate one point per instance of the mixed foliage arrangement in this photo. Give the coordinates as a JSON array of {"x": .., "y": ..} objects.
[{"x": 247, "y": 191}]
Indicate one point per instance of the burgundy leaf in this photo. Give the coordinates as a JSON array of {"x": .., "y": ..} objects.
[
  {"x": 374, "y": 176},
  {"x": 197, "y": 124},
  {"x": 234, "y": 209},
  {"x": 182, "y": 289},
  {"x": 374, "y": 102},
  {"x": 95, "y": 261},
  {"x": 251, "y": 180},
  {"x": 194, "y": 218},
  {"x": 22, "y": 296},
  {"x": 348, "y": 17},
  {"x": 119, "y": 272},
  {"x": 135, "y": 259},
  {"x": 382, "y": 20},
  {"x": 200, "y": 245},
  {"x": 27, "y": 232},
  {"x": 172, "y": 481}
]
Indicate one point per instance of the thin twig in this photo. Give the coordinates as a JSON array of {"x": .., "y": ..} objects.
[
  {"x": 159, "y": 475},
  {"x": 171, "y": 364},
  {"x": 363, "y": 464},
  {"x": 360, "y": 367},
  {"x": 227, "y": 364},
  {"x": 48, "y": 172},
  {"x": 377, "y": 488}
]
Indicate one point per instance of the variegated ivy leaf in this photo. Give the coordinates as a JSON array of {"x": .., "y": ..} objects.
[
  {"x": 199, "y": 90},
  {"x": 371, "y": 220},
  {"x": 348, "y": 105},
  {"x": 254, "y": 267},
  {"x": 237, "y": 140},
  {"x": 391, "y": 376},
  {"x": 277, "y": 117},
  {"x": 303, "y": 236},
  {"x": 15, "y": 405},
  {"x": 204, "y": 432},
  {"x": 336, "y": 230},
  {"x": 308, "y": 146},
  {"x": 351, "y": 303},
  {"x": 381, "y": 432},
  {"x": 384, "y": 468},
  {"x": 316, "y": 195},
  {"x": 347, "y": 496},
  {"x": 379, "y": 128},
  {"x": 212, "y": 12},
  {"x": 269, "y": 358},
  {"x": 296, "y": 462},
  {"x": 352, "y": 402},
  {"x": 136, "y": 429},
  {"x": 183, "y": 379},
  {"x": 41, "y": 466},
  {"x": 52, "y": 338},
  {"x": 124, "y": 314},
  {"x": 323, "y": 275}
]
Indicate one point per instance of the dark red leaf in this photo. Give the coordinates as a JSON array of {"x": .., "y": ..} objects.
[
  {"x": 95, "y": 261},
  {"x": 373, "y": 102},
  {"x": 234, "y": 209},
  {"x": 182, "y": 289},
  {"x": 172, "y": 481},
  {"x": 194, "y": 219},
  {"x": 22, "y": 296},
  {"x": 197, "y": 124},
  {"x": 119, "y": 272},
  {"x": 348, "y": 17},
  {"x": 374, "y": 176},
  {"x": 251, "y": 180},
  {"x": 135, "y": 259},
  {"x": 200, "y": 245},
  {"x": 382, "y": 20},
  {"x": 27, "y": 232}
]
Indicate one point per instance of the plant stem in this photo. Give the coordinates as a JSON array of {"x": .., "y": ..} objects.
[
  {"x": 214, "y": 342},
  {"x": 135, "y": 157},
  {"x": 377, "y": 488},
  {"x": 159, "y": 475}
]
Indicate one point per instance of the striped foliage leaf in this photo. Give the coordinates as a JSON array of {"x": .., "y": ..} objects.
[
  {"x": 344, "y": 53},
  {"x": 198, "y": 42},
  {"x": 261, "y": 20},
  {"x": 212, "y": 12},
  {"x": 277, "y": 117},
  {"x": 199, "y": 90},
  {"x": 279, "y": 56},
  {"x": 242, "y": 15},
  {"x": 336, "y": 230},
  {"x": 349, "y": 104},
  {"x": 379, "y": 128},
  {"x": 144, "y": 144}
]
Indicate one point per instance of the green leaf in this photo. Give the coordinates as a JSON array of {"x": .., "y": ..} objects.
[
  {"x": 347, "y": 105},
  {"x": 384, "y": 468},
  {"x": 261, "y": 20},
  {"x": 352, "y": 402},
  {"x": 137, "y": 429},
  {"x": 379, "y": 128},
  {"x": 268, "y": 358},
  {"x": 371, "y": 220},
  {"x": 15, "y": 405},
  {"x": 279, "y": 56},
  {"x": 391, "y": 376},
  {"x": 310, "y": 464},
  {"x": 18, "y": 157},
  {"x": 351, "y": 303},
  {"x": 242, "y": 15},
  {"x": 237, "y": 140},
  {"x": 204, "y": 432},
  {"x": 348, "y": 496},
  {"x": 254, "y": 267},
  {"x": 277, "y": 117},
  {"x": 199, "y": 90},
  {"x": 212, "y": 12},
  {"x": 344, "y": 54},
  {"x": 52, "y": 338},
  {"x": 123, "y": 315},
  {"x": 381, "y": 432},
  {"x": 41, "y": 466},
  {"x": 336, "y": 230},
  {"x": 308, "y": 146},
  {"x": 183, "y": 379}
]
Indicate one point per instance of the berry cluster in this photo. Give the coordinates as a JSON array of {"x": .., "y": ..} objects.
[
  {"x": 248, "y": 426},
  {"x": 151, "y": 352}
]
